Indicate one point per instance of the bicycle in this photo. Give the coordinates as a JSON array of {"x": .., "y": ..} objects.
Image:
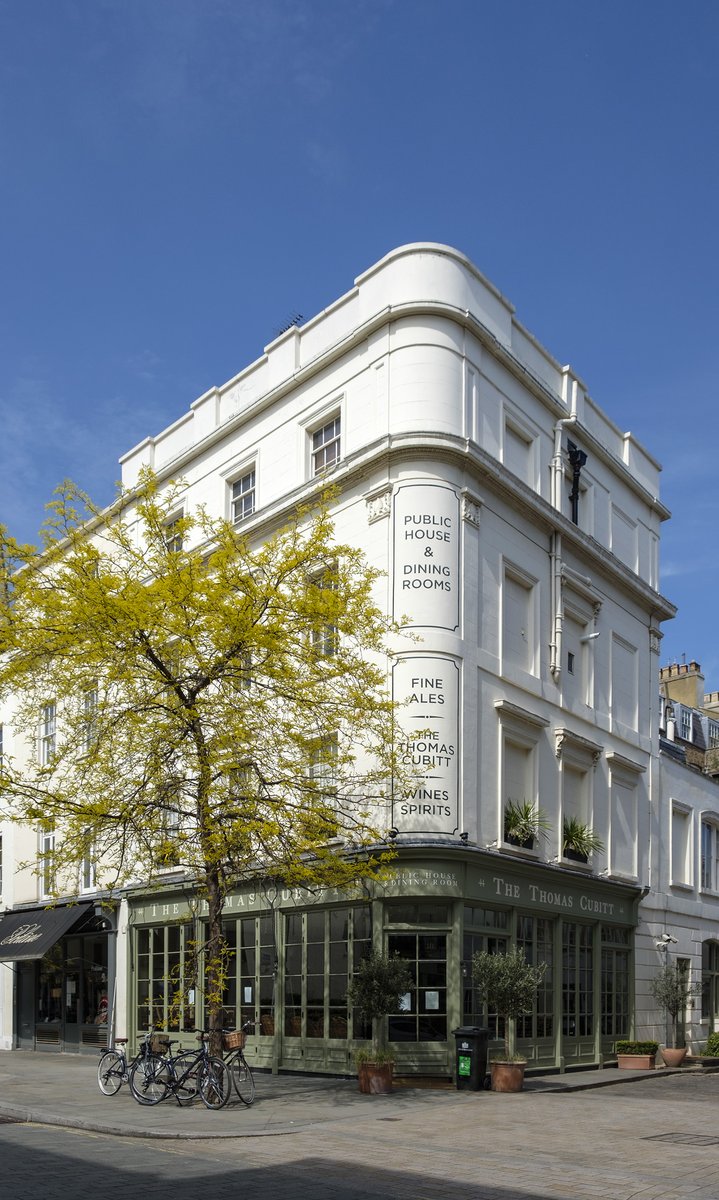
[
  {"x": 114, "y": 1069},
  {"x": 199, "y": 1073},
  {"x": 233, "y": 1044}
]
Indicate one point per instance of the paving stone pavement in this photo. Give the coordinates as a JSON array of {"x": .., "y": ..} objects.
[{"x": 657, "y": 1139}]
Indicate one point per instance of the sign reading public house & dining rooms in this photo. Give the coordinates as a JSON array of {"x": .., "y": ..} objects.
[{"x": 426, "y": 556}]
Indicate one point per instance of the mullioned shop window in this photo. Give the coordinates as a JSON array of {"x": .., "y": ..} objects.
[{"x": 322, "y": 951}]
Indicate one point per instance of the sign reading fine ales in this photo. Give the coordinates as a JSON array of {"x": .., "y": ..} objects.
[
  {"x": 429, "y": 685},
  {"x": 426, "y": 555}
]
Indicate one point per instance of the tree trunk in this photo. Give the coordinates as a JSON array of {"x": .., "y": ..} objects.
[{"x": 214, "y": 960}]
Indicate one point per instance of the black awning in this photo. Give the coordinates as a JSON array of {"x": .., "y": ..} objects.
[{"x": 30, "y": 934}]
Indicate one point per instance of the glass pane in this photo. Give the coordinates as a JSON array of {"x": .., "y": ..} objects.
[
  {"x": 362, "y": 921},
  {"x": 316, "y": 927},
  {"x": 339, "y": 925},
  {"x": 315, "y": 1023},
  {"x": 293, "y": 927},
  {"x": 316, "y": 957}
]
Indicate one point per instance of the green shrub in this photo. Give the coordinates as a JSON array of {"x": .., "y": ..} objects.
[
  {"x": 712, "y": 1046},
  {"x": 636, "y": 1047}
]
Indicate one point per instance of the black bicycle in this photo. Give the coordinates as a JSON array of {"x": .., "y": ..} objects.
[
  {"x": 233, "y": 1044},
  {"x": 114, "y": 1069},
  {"x": 185, "y": 1076}
]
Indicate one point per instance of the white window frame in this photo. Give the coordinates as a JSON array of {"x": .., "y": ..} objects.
[
  {"x": 513, "y": 574},
  {"x": 174, "y": 539},
  {"x": 709, "y": 853},
  {"x": 89, "y": 724},
  {"x": 325, "y": 438},
  {"x": 684, "y": 811},
  {"x": 243, "y": 504},
  {"x": 47, "y": 862},
  {"x": 47, "y": 734}
]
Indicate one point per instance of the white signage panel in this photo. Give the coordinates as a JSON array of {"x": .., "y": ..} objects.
[
  {"x": 428, "y": 685},
  {"x": 426, "y": 555}
]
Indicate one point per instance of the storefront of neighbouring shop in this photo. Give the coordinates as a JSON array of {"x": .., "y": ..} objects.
[
  {"x": 292, "y": 955},
  {"x": 63, "y": 958}
]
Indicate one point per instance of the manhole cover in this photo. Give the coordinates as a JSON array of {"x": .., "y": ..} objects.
[{"x": 685, "y": 1139}]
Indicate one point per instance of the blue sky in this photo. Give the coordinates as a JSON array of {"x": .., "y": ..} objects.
[{"x": 179, "y": 177}]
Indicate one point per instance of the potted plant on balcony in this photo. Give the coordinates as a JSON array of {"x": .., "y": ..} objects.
[
  {"x": 376, "y": 990},
  {"x": 579, "y": 840},
  {"x": 524, "y": 823},
  {"x": 671, "y": 989},
  {"x": 509, "y": 985}
]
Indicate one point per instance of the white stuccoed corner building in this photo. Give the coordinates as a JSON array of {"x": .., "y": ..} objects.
[{"x": 518, "y": 530}]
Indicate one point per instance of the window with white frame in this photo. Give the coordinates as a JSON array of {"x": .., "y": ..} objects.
[
  {"x": 324, "y": 634},
  {"x": 517, "y": 452},
  {"x": 174, "y": 538},
  {"x": 88, "y": 874},
  {"x": 48, "y": 730},
  {"x": 713, "y": 735},
  {"x": 519, "y": 642},
  {"x": 624, "y": 683},
  {"x": 681, "y": 846},
  {"x": 242, "y": 496},
  {"x": 326, "y": 445},
  {"x": 0, "y": 867},
  {"x": 710, "y": 855},
  {"x": 323, "y": 766},
  {"x": 685, "y": 724},
  {"x": 519, "y": 778},
  {"x": 89, "y": 718},
  {"x": 47, "y": 860},
  {"x": 626, "y": 781}
]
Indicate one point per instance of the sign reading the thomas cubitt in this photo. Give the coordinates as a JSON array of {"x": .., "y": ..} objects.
[
  {"x": 429, "y": 686},
  {"x": 426, "y": 555}
]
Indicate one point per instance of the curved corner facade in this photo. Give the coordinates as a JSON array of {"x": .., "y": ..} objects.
[{"x": 517, "y": 531}]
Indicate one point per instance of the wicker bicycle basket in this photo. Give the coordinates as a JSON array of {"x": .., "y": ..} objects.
[
  {"x": 235, "y": 1040},
  {"x": 158, "y": 1043}
]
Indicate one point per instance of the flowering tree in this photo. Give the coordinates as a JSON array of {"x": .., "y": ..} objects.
[{"x": 189, "y": 699}]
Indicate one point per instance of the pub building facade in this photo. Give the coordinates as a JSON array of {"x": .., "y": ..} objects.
[
  {"x": 516, "y": 532},
  {"x": 294, "y": 955}
]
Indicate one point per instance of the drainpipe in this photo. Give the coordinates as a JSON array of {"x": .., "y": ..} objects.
[{"x": 555, "y": 553}]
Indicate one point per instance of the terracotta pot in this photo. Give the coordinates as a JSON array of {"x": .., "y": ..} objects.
[
  {"x": 375, "y": 1079},
  {"x": 674, "y": 1055},
  {"x": 507, "y": 1076},
  {"x": 635, "y": 1062}
]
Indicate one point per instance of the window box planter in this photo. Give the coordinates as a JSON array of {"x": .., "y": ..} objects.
[{"x": 636, "y": 1056}]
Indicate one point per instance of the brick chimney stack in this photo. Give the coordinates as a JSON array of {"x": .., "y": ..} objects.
[{"x": 683, "y": 683}]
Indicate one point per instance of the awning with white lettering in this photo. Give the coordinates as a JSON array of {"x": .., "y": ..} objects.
[{"x": 30, "y": 934}]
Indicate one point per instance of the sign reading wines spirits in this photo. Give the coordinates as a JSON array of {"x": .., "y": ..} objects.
[
  {"x": 429, "y": 686},
  {"x": 426, "y": 555}
]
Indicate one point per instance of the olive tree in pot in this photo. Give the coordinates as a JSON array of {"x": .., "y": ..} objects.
[
  {"x": 376, "y": 990},
  {"x": 509, "y": 985},
  {"x": 671, "y": 989}
]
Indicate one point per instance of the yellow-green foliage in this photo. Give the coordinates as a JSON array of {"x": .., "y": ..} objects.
[{"x": 222, "y": 707}]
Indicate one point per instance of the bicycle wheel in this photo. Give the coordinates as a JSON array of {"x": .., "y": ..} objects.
[
  {"x": 150, "y": 1080},
  {"x": 242, "y": 1079},
  {"x": 215, "y": 1083},
  {"x": 110, "y": 1071},
  {"x": 187, "y": 1066}
]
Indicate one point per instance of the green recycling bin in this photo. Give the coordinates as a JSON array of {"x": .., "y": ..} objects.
[{"x": 471, "y": 1057}]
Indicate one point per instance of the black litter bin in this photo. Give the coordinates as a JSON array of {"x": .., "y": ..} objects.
[{"x": 471, "y": 1057}]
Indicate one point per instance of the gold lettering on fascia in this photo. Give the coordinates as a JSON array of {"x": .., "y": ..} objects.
[
  {"x": 509, "y": 890},
  {"x": 23, "y": 935},
  {"x": 421, "y": 878}
]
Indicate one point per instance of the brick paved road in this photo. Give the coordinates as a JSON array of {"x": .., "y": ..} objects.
[{"x": 657, "y": 1140}]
